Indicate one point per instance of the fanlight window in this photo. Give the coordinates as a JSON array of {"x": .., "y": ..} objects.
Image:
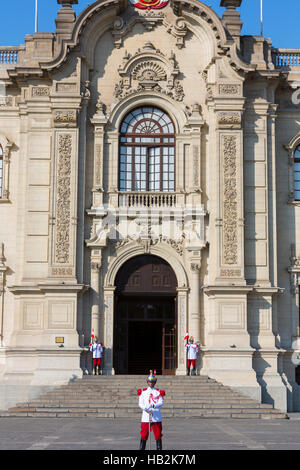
[
  {"x": 297, "y": 173},
  {"x": 1, "y": 170},
  {"x": 147, "y": 151}
]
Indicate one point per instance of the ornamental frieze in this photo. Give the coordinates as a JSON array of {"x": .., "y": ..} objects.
[
  {"x": 230, "y": 204},
  {"x": 40, "y": 91},
  {"x": 227, "y": 89},
  {"x": 63, "y": 199},
  {"x": 229, "y": 119},
  {"x": 65, "y": 118}
]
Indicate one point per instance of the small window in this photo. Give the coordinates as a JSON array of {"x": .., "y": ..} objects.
[
  {"x": 297, "y": 173},
  {"x": 1, "y": 171}
]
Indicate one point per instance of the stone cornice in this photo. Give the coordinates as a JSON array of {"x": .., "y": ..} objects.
[{"x": 47, "y": 288}]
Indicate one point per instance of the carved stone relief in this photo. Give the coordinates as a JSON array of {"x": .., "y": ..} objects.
[
  {"x": 230, "y": 210},
  {"x": 39, "y": 91},
  {"x": 149, "y": 70},
  {"x": 294, "y": 270},
  {"x": 228, "y": 119},
  {"x": 228, "y": 89},
  {"x": 63, "y": 199},
  {"x": 66, "y": 118},
  {"x": 177, "y": 245}
]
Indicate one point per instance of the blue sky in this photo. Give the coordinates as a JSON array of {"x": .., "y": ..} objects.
[{"x": 281, "y": 19}]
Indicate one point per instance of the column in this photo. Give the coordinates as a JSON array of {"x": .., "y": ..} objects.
[{"x": 194, "y": 316}]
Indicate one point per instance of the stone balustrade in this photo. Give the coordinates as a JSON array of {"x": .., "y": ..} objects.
[
  {"x": 147, "y": 199},
  {"x": 9, "y": 55},
  {"x": 286, "y": 58}
]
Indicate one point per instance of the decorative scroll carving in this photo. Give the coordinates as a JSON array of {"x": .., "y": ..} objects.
[
  {"x": 229, "y": 119},
  {"x": 228, "y": 89},
  {"x": 230, "y": 211},
  {"x": 63, "y": 204},
  {"x": 177, "y": 245},
  {"x": 148, "y": 18},
  {"x": 39, "y": 91},
  {"x": 179, "y": 31},
  {"x": 65, "y": 118}
]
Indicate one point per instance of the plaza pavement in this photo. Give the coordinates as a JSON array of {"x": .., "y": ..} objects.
[{"x": 123, "y": 434}]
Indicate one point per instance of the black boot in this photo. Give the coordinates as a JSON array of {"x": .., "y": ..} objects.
[
  {"x": 95, "y": 370},
  {"x": 158, "y": 445},
  {"x": 188, "y": 371},
  {"x": 142, "y": 444}
]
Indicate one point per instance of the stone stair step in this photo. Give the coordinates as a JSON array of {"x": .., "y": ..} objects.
[{"x": 116, "y": 397}]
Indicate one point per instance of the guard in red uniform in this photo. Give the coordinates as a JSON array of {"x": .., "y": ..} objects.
[
  {"x": 151, "y": 400},
  {"x": 96, "y": 348},
  {"x": 192, "y": 351}
]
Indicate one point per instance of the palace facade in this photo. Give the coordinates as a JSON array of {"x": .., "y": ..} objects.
[{"x": 149, "y": 186}]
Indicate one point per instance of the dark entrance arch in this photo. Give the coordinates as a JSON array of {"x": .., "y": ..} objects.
[{"x": 145, "y": 324}]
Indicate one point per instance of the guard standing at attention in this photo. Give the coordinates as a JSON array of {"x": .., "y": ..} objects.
[
  {"x": 192, "y": 351},
  {"x": 96, "y": 348},
  {"x": 151, "y": 400}
]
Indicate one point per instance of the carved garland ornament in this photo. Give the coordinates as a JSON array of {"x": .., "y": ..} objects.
[
  {"x": 230, "y": 211},
  {"x": 63, "y": 204}
]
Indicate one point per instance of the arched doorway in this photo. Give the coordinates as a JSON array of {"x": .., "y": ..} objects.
[{"x": 145, "y": 323}]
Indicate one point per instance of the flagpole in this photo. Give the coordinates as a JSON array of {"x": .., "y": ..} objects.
[
  {"x": 261, "y": 18},
  {"x": 36, "y": 16}
]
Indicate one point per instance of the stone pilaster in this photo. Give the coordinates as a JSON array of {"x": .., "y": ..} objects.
[
  {"x": 108, "y": 321},
  {"x": 3, "y": 269},
  {"x": 182, "y": 312}
]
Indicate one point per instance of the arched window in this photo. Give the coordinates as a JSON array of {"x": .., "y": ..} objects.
[
  {"x": 1, "y": 170},
  {"x": 297, "y": 174},
  {"x": 147, "y": 151}
]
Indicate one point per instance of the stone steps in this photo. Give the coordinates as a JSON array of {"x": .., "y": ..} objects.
[{"x": 116, "y": 397}]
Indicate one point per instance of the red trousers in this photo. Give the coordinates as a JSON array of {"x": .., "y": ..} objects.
[
  {"x": 155, "y": 427},
  {"x": 97, "y": 361},
  {"x": 191, "y": 361}
]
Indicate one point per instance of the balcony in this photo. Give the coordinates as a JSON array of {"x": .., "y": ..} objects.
[{"x": 149, "y": 199}]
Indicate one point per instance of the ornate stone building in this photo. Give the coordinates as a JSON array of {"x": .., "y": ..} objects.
[{"x": 150, "y": 185}]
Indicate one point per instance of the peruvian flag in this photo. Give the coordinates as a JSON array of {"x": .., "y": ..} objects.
[
  {"x": 149, "y": 4},
  {"x": 92, "y": 336},
  {"x": 186, "y": 336}
]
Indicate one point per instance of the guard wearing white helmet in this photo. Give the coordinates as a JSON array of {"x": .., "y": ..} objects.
[
  {"x": 97, "y": 349},
  {"x": 151, "y": 400},
  {"x": 192, "y": 351}
]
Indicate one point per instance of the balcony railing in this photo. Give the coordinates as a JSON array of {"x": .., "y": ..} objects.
[
  {"x": 147, "y": 199},
  {"x": 9, "y": 55},
  {"x": 286, "y": 58}
]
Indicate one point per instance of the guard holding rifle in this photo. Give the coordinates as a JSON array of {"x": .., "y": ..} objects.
[{"x": 150, "y": 401}]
